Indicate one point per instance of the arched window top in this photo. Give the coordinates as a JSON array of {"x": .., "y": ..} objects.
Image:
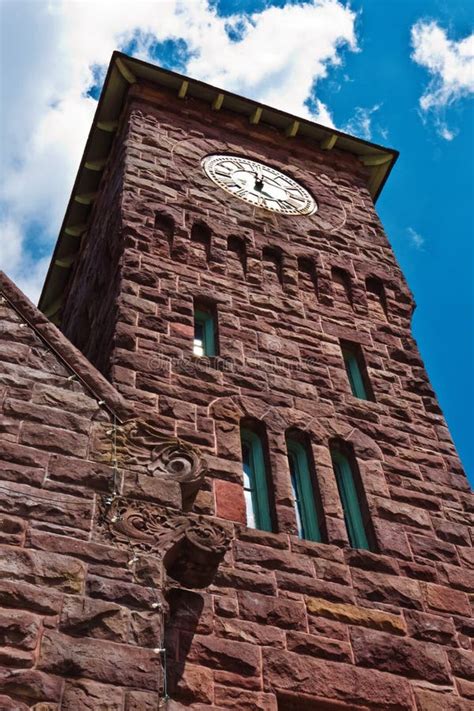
[
  {"x": 376, "y": 297},
  {"x": 272, "y": 265},
  {"x": 254, "y": 471},
  {"x": 164, "y": 229},
  {"x": 236, "y": 256},
  {"x": 200, "y": 232},
  {"x": 307, "y": 281},
  {"x": 342, "y": 284},
  {"x": 356, "y": 515},
  {"x": 200, "y": 243},
  {"x": 164, "y": 223}
]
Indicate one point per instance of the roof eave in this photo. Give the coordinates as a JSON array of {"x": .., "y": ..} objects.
[{"x": 124, "y": 71}]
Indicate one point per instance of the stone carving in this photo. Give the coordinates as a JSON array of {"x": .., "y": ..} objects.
[
  {"x": 139, "y": 443},
  {"x": 189, "y": 547}
]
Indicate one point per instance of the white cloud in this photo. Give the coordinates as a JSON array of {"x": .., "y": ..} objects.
[
  {"x": 416, "y": 240},
  {"x": 450, "y": 64},
  {"x": 52, "y": 47},
  {"x": 361, "y": 123}
]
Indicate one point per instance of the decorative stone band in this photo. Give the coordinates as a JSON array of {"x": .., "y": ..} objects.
[{"x": 189, "y": 547}]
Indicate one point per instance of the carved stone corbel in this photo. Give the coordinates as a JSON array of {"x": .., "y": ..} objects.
[{"x": 190, "y": 547}]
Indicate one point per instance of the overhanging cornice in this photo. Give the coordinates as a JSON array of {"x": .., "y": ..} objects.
[{"x": 124, "y": 71}]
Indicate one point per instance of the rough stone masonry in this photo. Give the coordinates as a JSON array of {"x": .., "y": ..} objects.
[{"x": 123, "y": 535}]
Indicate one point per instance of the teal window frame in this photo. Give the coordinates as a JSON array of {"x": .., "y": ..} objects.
[
  {"x": 255, "y": 470},
  {"x": 303, "y": 492},
  {"x": 206, "y": 320},
  {"x": 354, "y": 374},
  {"x": 353, "y": 517}
]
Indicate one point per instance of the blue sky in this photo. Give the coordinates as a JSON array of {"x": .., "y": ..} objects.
[{"x": 398, "y": 72}]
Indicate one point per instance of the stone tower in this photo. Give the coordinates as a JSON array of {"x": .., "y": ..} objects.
[{"x": 227, "y": 481}]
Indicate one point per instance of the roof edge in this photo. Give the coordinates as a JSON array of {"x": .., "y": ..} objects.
[
  {"x": 72, "y": 358},
  {"x": 124, "y": 71}
]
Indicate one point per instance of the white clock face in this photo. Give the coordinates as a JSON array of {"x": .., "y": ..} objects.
[{"x": 259, "y": 185}]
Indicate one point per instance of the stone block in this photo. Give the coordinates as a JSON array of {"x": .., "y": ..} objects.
[
  {"x": 86, "y": 617},
  {"x": 430, "y": 628},
  {"x": 28, "y": 502},
  {"x": 152, "y": 488},
  {"x": 141, "y": 701},
  {"x": 54, "y": 439},
  {"x": 30, "y": 685},
  {"x": 243, "y": 631},
  {"x": 84, "y": 550},
  {"x": 317, "y": 588},
  {"x": 425, "y": 549},
  {"x": 231, "y": 698},
  {"x": 30, "y": 597},
  {"x": 316, "y": 646},
  {"x": 334, "y": 682},
  {"x": 218, "y": 653},
  {"x": 19, "y": 629},
  {"x": 438, "y": 597},
  {"x": 354, "y": 615},
  {"x": 12, "y": 530},
  {"x": 230, "y": 502},
  {"x": 397, "y": 655},
  {"x": 191, "y": 684},
  {"x": 120, "y": 592},
  {"x": 98, "y": 660},
  {"x": 388, "y": 589},
  {"x": 462, "y": 663},
  {"x": 249, "y": 554},
  {"x": 40, "y": 568},
  {"x": 427, "y": 700},
  {"x": 287, "y": 614},
  {"x": 245, "y": 580},
  {"x": 90, "y": 696}
]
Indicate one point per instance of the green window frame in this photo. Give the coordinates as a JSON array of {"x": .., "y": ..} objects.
[
  {"x": 353, "y": 516},
  {"x": 204, "y": 343},
  {"x": 255, "y": 481},
  {"x": 303, "y": 491},
  {"x": 354, "y": 374}
]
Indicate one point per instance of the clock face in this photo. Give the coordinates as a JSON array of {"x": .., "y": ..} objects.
[{"x": 259, "y": 185}]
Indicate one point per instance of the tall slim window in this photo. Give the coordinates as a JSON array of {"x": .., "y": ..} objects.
[
  {"x": 204, "y": 343},
  {"x": 255, "y": 481},
  {"x": 356, "y": 514},
  {"x": 355, "y": 370},
  {"x": 303, "y": 492}
]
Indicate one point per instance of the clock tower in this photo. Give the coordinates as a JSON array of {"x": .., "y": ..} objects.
[{"x": 222, "y": 264}]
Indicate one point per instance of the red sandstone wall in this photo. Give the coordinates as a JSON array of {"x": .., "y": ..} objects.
[{"x": 285, "y": 624}]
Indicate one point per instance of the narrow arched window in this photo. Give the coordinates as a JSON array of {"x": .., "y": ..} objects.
[
  {"x": 164, "y": 228},
  {"x": 272, "y": 266},
  {"x": 205, "y": 329},
  {"x": 341, "y": 283},
  {"x": 308, "y": 518},
  {"x": 356, "y": 514},
  {"x": 257, "y": 504},
  {"x": 356, "y": 371},
  {"x": 376, "y": 298},
  {"x": 200, "y": 244},
  {"x": 236, "y": 257},
  {"x": 307, "y": 283}
]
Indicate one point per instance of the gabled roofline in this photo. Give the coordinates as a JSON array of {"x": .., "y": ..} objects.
[
  {"x": 73, "y": 359},
  {"x": 124, "y": 71}
]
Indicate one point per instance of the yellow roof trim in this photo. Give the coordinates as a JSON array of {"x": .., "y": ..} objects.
[{"x": 328, "y": 143}]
